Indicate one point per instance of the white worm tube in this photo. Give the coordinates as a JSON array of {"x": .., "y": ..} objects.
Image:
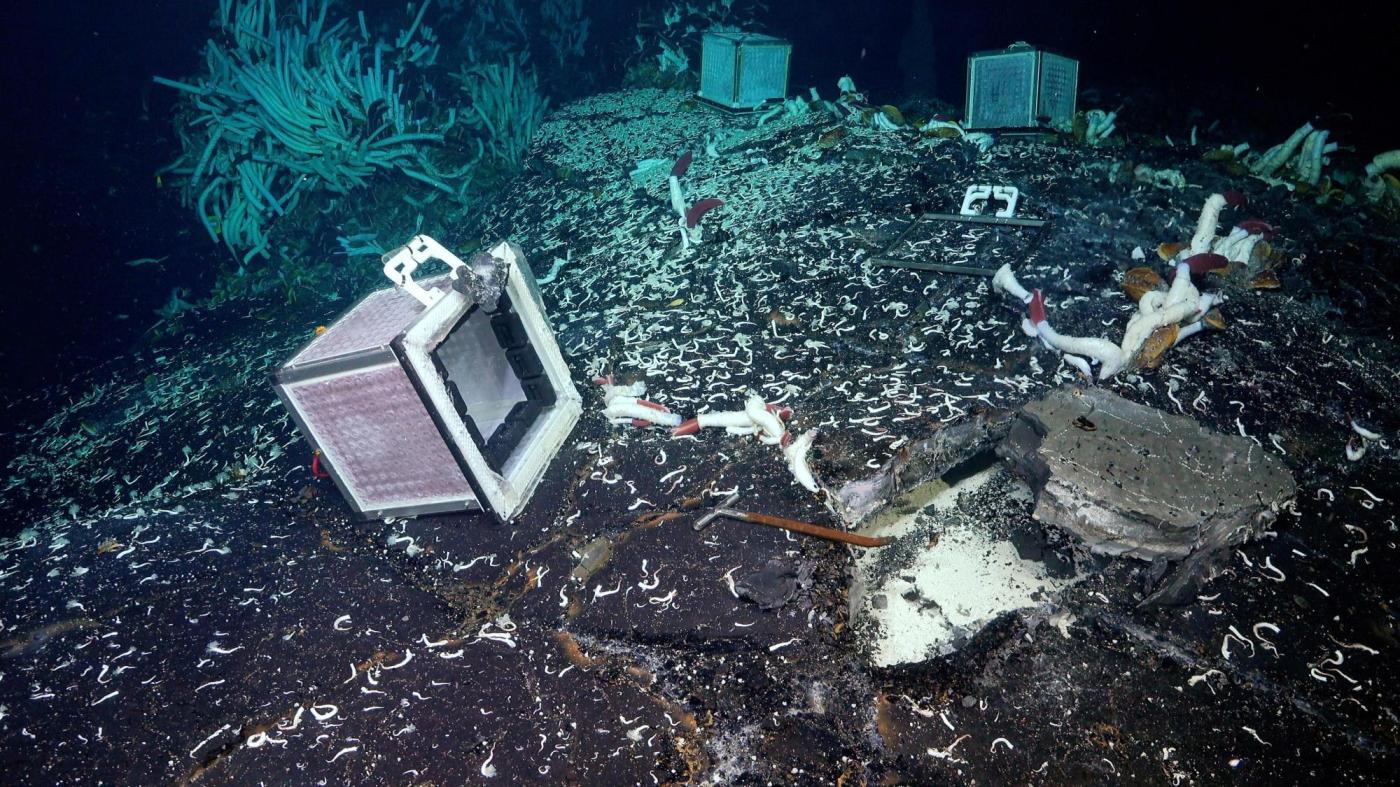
[
  {"x": 1279, "y": 155},
  {"x": 1188, "y": 331},
  {"x": 611, "y": 391},
  {"x": 1363, "y": 431},
  {"x": 1206, "y": 224},
  {"x": 1310, "y": 160},
  {"x": 1145, "y": 321},
  {"x": 1206, "y": 302},
  {"x": 1080, "y": 364},
  {"x": 677, "y": 198},
  {"x": 1005, "y": 281},
  {"x": 1382, "y": 162},
  {"x": 1182, "y": 289},
  {"x": 1238, "y": 246},
  {"x": 796, "y": 453},
  {"x": 771, "y": 425},
  {"x": 1109, "y": 356},
  {"x": 730, "y": 419},
  {"x": 628, "y": 407}
]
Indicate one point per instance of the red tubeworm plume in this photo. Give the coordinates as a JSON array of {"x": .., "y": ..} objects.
[
  {"x": 1257, "y": 227},
  {"x": 1036, "y": 308},
  {"x": 691, "y": 426},
  {"x": 682, "y": 165},
  {"x": 1235, "y": 199},
  {"x": 1202, "y": 263},
  {"x": 692, "y": 216}
]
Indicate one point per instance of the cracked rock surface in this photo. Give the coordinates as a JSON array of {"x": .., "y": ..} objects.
[{"x": 1134, "y": 480}]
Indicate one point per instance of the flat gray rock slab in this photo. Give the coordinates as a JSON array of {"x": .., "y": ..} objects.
[{"x": 1133, "y": 480}]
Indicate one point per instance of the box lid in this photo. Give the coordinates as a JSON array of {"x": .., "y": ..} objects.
[
  {"x": 372, "y": 323},
  {"x": 747, "y": 39}
]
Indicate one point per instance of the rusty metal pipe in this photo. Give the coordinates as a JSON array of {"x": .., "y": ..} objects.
[{"x": 807, "y": 528}]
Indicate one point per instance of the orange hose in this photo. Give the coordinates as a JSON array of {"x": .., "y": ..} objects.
[{"x": 828, "y": 533}]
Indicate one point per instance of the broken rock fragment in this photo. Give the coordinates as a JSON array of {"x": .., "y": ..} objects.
[
  {"x": 1128, "y": 479},
  {"x": 775, "y": 584}
]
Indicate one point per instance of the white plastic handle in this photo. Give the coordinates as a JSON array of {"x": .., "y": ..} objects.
[
  {"x": 986, "y": 191},
  {"x": 400, "y": 264},
  {"x": 974, "y": 194},
  {"x": 1010, "y": 195}
]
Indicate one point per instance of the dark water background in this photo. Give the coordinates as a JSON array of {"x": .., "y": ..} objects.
[{"x": 84, "y": 129}]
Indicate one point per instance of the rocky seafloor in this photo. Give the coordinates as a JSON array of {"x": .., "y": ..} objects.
[{"x": 183, "y": 602}]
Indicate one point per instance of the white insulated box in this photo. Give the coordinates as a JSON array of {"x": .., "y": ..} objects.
[
  {"x": 1020, "y": 87},
  {"x": 743, "y": 71},
  {"x": 422, "y": 400}
]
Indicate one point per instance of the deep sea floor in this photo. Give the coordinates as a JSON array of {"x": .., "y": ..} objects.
[{"x": 181, "y": 601}]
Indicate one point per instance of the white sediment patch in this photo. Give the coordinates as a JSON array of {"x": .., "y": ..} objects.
[{"x": 951, "y": 590}]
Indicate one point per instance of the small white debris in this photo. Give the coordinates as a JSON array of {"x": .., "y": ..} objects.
[
  {"x": 324, "y": 712},
  {"x": 104, "y": 699},
  {"x": 204, "y": 742},
  {"x": 342, "y": 752},
  {"x": 781, "y": 645}
]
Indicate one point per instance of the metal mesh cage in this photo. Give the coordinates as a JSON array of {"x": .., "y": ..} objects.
[
  {"x": 436, "y": 403},
  {"x": 743, "y": 70},
  {"x": 1020, "y": 87},
  {"x": 1059, "y": 86},
  {"x": 372, "y": 323},
  {"x": 1001, "y": 90},
  {"x": 380, "y": 439},
  {"x": 717, "y": 68}
]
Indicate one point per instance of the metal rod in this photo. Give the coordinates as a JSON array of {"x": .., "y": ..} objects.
[
  {"x": 970, "y": 270},
  {"x": 806, "y": 528},
  {"x": 704, "y": 521},
  {"x": 1007, "y": 220}
]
